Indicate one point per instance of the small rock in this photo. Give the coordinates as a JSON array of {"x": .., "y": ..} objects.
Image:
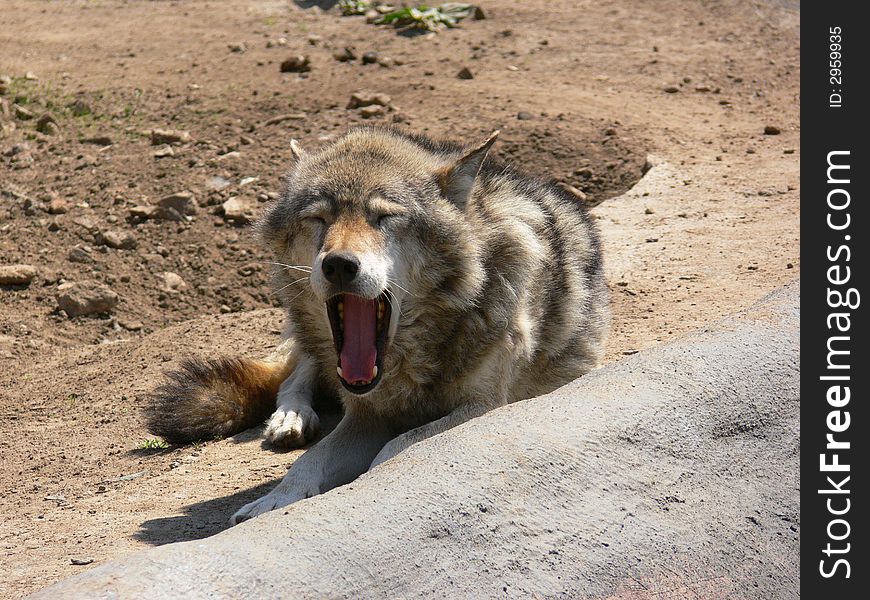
[
  {"x": 143, "y": 212},
  {"x": 238, "y": 210},
  {"x": 85, "y": 298},
  {"x": 169, "y": 136},
  {"x": 372, "y": 16},
  {"x": 30, "y": 76},
  {"x": 238, "y": 47},
  {"x": 772, "y": 130},
  {"x": 17, "y": 274},
  {"x": 345, "y": 55},
  {"x": 282, "y": 118},
  {"x": 130, "y": 325},
  {"x": 369, "y": 58},
  {"x": 183, "y": 202},
  {"x": 80, "y": 108},
  {"x": 579, "y": 194},
  {"x": 81, "y": 255},
  {"x": 296, "y": 64},
  {"x": 57, "y": 206},
  {"x": 360, "y": 99},
  {"x": 702, "y": 88},
  {"x": 22, "y": 113},
  {"x": 81, "y": 560},
  {"x": 217, "y": 183},
  {"x": 386, "y": 62},
  {"x": 479, "y": 14},
  {"x": 671, "y": 89},
  {"x": 465, "y": 73},
  {"x": 119, "y": 239},
  {"x": 524, "y": 116},
  {"x": 47, "y": 124},
  {"x": 164, "y": 152},
  {"x": 369, "y": 112},
  {"x": 172, "y": 283}
]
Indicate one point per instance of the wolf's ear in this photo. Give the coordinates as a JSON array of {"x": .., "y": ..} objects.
[
  {"x": 297, "y": 150},
  {"x": 457, "y": 180}
]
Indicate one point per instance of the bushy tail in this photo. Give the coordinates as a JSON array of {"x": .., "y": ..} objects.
[{"x": 213, "y": 398}]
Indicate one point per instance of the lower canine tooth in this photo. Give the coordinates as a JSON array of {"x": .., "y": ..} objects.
[
  {"x": 374, "y": 371},
  {"x": 338, "y": 370}
]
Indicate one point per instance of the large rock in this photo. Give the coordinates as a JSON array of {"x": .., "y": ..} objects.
[
  {"x": 17, "y": 274},
  {"x": 82, "y": 298},
  {"x": 672, "y": 473}
]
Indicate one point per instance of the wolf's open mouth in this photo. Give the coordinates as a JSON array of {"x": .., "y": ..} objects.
[{"x": 359, "y": 331}]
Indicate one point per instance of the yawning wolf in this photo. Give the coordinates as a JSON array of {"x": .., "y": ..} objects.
[{"x": 424, "y": 283}]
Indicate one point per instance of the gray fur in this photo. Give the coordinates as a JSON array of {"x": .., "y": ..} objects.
[{"x": 497, "y": 295}]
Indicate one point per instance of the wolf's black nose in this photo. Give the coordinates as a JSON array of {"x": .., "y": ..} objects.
[{"x": 340, "y": 268}]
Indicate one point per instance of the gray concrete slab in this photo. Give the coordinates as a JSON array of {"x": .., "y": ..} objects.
[{"x": 672, "y": 471}]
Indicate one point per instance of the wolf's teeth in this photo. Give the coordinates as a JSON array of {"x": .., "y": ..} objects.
[
  {"x": 338, "y": 370},
  {"x": 374, "y": 371}
]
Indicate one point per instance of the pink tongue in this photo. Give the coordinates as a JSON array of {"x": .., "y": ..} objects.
[{"x": 359, "y": 352}]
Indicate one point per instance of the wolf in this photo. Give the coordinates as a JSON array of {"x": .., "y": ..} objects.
[{"x": 425, "y": 283}]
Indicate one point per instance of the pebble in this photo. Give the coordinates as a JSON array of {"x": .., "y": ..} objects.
[
  {"x": 369, "y": 58},
  {"x": 119, "y": 239},
  {"x": 57, "y": 206},
  {"x": 17, "y": 274},
  {"x": 169, "y": 136},
  {"x": 80, "y": 108},
  {"x": 182, "y": 202},
  {"x": 85, "y": 298},
  {"x": 217, "y": 183},
  {"x": 81, "y": 560},
  {"x": 238, "y": 47},
  {"x": 22, "y": 113},
  {"x": 360, "y": 99},
  {"x": 369, "y": 112},
  {"x": 238, "y": 210},
  {"x": 772, "y": 130},
  {"x": 172, "y": 282},
  {"x": 47, "y": 124},
  {"x": 296, "y": 64},
  {"x": 30, "y": 76},
  {"x": 671, "y": 89},
  {"x": 345, "y": 55},
  {"x": 465, "y": 73},
  {"x": 524, "y": 116},
  {"x": 164, "y": 152},
  {"x": 81, "y": 255}
]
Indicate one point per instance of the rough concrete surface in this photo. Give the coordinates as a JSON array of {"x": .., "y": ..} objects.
[{"x": 670, "y": 474}]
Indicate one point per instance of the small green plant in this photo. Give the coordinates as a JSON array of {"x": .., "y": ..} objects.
[
  {"x": 153, "y": 444},
  {"x": 356, "y": 7},
  {"x": 428, "y": 18}
]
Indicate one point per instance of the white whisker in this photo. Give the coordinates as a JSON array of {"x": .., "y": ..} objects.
[
  {"x": 396, "y": 283},
  {"x": 303, "y": 268},
  {"x": 290, "y": 284}
]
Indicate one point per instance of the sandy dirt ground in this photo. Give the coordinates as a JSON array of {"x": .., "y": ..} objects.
[{"x": 592, "y": 94}]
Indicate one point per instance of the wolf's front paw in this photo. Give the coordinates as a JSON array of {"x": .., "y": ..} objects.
[
  {"x": 277, "y": 498},
  {"x": 292, "y": 427}
]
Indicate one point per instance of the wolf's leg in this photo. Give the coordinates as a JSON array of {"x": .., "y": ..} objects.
[
  {"x": 294, "y": 423},
  {"x": 460, "y": 415},
  {"x": 337, "y": 459}
]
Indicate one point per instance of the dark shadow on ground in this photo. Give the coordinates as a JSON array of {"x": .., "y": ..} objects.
[
  {"x": 209, "y": 517},
  {"x": 324, "y": 4},
  {"x": 200, "y": 520}
]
